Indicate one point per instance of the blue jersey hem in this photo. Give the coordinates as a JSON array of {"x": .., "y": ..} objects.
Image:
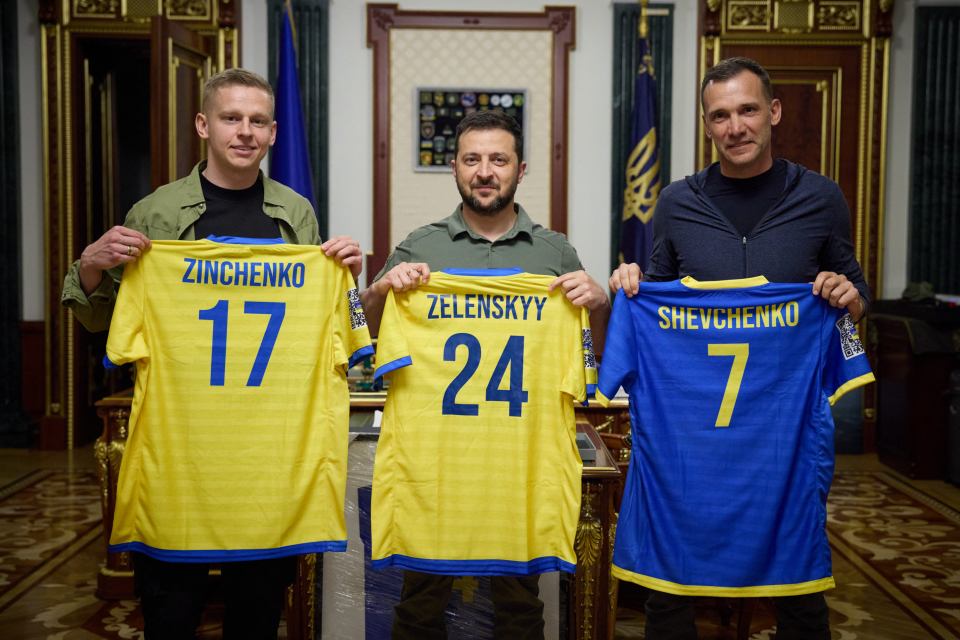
[
  {"x": 509, "y": 271},
  {"x": 229, "y": 555},
  {"x": 383, "y": 369},
  {"x": 360, "y": 354},
  {"x": 108, "y": 364},
  {"x": 242, "y": 240},
  {"x": 476, "y": 567}
]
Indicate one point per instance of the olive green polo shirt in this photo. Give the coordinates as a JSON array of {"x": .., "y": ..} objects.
[{"x": 451, "y": 244}]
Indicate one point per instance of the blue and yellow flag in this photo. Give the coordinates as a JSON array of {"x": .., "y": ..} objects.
[
  {"x": 290, "y": 164},
  {"x": 643, "y": 164}
]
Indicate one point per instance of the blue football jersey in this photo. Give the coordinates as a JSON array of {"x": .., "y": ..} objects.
[{"x": 730, "y": 387}]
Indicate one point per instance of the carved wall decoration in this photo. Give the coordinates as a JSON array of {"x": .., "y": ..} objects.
[
  {"x": 95, "y": 8},
  {"x": 189, "y": 9},
  {"x": 839, "y": 16},
  {"x": 748, "y": 15}
]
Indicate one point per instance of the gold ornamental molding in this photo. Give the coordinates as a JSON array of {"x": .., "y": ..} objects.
[
  {"x": 95, "y": 8},
  {"x": 748, "y": 15},
  {"x": 824, "y": 18},
  {"x": 842, "y": 15},
  {"x": 189, "y": 9}
]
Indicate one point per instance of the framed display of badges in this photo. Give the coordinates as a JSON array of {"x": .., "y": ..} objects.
[{"x": 438, "y": 111}]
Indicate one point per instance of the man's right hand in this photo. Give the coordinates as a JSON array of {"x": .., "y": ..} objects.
[
  {"x": 117, "y": 246},
  {"x": 404, "y": 276},
  {"x": 626, "y": 277}
]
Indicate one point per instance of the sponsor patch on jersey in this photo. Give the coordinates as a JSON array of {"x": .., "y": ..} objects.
[
  {"x": 849, "y": 340},
  {"x": 357, "y": 317},
  {"x": 589, "y": 359}
]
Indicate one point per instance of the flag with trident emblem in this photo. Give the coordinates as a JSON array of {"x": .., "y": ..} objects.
[{"x": 643, "y": 164}]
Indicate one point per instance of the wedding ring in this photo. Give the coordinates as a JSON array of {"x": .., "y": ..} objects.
[{"x": 129, "y": 249}]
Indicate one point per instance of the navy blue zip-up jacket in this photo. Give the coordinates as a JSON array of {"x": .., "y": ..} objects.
[{"x": 807, "y": 231}]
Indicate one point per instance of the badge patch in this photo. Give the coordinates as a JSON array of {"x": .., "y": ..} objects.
[
  {"x": 589, "y": 359},
  {"x": 849, "y": 340},
  {"x": 357, "y": 317}
]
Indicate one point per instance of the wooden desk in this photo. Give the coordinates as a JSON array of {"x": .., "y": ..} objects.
[{"x": 591, "y": 609}]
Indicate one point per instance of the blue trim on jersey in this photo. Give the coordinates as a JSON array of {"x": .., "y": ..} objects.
[
  {"x": 509, "y": 271},
  {"x": 383, "y": 369},
  {"x": 476, "y": 567},
  {"x": 242, "y": 240},
  {"x": 108, "y": 364},
  {"x": 360, "y": 354},
  {"x": 230, "y": 555},
  {"x": 591, "y": 391}
]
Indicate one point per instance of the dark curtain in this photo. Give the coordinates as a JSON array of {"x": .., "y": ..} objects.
[
  {"x": 312, "y": 23},
  {"x": 625, "y": 63},
  {"x": 935, "y": 167}
]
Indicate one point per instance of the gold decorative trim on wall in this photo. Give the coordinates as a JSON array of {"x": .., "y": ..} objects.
[
  {"x": 189, "y": 9},
  {"x": 748, "y": 15},
  {"x": 793, "y": 16},
  {"x": 839, "y": 15},
  {"x": 95, "y": 9}
]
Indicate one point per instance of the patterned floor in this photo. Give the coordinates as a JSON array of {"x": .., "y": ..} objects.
[{"x": 896, "y": 561}]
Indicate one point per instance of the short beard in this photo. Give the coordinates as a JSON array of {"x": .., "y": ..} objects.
[{"x": 496, "y": 205}]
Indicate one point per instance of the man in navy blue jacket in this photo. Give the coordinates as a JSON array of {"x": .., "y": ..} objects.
[{"x": 750, "y": 215}]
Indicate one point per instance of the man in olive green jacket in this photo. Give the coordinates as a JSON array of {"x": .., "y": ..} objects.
[{"x": 225, "y": 195}]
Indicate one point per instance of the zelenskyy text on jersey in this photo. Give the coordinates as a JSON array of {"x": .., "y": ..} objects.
[
  {"x": 244, "y": 273},
  {"x": 445, "y": 306},
  {"x": 755, "y": 317}
]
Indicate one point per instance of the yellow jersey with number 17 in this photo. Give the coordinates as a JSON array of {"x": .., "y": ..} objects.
[
  {"x": 477, "y": 470},
  {"x": 237, "y": 441}
]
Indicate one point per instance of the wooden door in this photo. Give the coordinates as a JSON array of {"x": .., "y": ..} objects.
[{"x": 180, "y": 64}]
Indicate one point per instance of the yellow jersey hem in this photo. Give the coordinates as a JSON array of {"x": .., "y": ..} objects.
[{"x": 799, "y": 588}]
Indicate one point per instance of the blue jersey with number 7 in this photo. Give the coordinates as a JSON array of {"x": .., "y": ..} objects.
[
  {"x": 730, "y": 387},
  {"x": 477, "y": 470},
  {"x": 237, "y": 440}
]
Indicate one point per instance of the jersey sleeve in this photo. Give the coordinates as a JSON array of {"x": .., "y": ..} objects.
[
  {"x": 845, "y": 362},
  {"x": 126, "y": 341},
  {"x": 619, "y": 364},
  {"x": 392, "y": 350},
  {"x": 351, "y": 335},
  {"x": 581, "y": 379}
]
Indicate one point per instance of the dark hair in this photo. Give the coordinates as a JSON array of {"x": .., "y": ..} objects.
[
  {"x": 494, "y": 119},
  {"x": 731, "y": 67},
  {"x": 232, "y": 78}
]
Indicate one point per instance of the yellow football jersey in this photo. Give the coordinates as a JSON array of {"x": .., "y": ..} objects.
[
  {"x": 237, "y": 440},
  {"x": 477, "y": 470}
]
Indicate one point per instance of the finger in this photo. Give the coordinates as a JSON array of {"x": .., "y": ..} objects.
[
  {"x": 132, "y": 237},
  {"x": 560, "y": 280},
  {"x": 818, "y": 282}
]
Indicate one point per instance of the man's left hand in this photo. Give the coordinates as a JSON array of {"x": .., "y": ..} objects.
[
  {"x": 839, "y": 292},
  {"x": 581, "y": 290},
  {"x": 346, "y": 251}
]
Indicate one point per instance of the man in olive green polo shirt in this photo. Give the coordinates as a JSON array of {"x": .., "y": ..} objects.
[{"x": 488, "y": 230}]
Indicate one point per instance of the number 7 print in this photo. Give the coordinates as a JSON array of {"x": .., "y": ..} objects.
[{"x": 740, "y": 353}]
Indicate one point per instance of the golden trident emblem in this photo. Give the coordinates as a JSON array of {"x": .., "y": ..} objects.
[{"x": 640, "y": 194}]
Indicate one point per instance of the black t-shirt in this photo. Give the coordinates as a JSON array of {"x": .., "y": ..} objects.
[
  {"x": 234, "y": 212},
  {"x": 745, "y": 200}
]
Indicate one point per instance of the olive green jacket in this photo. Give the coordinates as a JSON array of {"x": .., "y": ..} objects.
[{"x": 169, "y": 213}]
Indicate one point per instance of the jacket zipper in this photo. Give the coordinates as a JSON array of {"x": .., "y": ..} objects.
[{"x": 744, "y": 245}]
